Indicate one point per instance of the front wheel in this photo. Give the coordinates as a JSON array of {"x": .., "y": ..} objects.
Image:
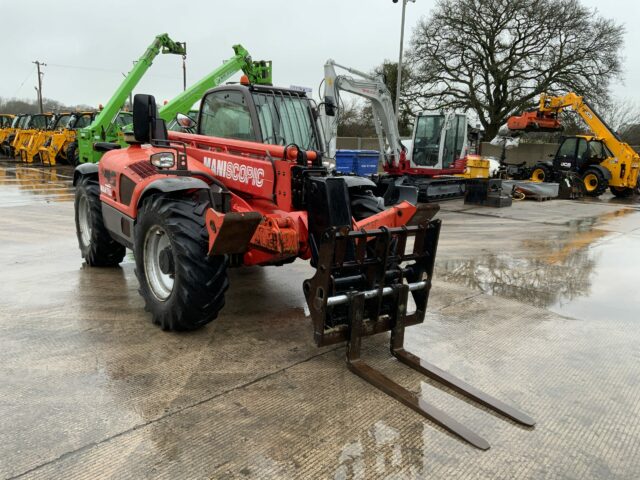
[
  {"x": 594, "y": 182},
  {"x": 621, "y": 192},
  {"x": 183, "y": 288},
  {"x": 96, "y": 245}
]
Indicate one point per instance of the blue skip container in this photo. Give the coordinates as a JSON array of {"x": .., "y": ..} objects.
[{"x": 360, "y": 162}]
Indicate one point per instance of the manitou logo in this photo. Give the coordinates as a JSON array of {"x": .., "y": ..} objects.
[{"x": 236, "y": 171}]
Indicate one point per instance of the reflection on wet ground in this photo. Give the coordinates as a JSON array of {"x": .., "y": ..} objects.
[
  {"x": 563, "y": 270},
  {"x": 24, "y": 184}
]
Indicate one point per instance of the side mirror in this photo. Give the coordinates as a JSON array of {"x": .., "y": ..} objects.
[
  {"x": 185, "y": 121},
  {"x": 145, "y": 114},
  {"x": 329, "y": 107}
]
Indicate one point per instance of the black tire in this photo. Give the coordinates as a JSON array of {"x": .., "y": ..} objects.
[
  {"x": 198, "y": 282},
  {"x": 621, "y": 192},
  {"x": 73, "y": 156},
  {"x": 594, "y": 182},
  {"x": 96, "y": 245},
  {"x": 542, "y": 173}
]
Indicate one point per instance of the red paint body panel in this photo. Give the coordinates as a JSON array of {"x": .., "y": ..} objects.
[{"x": 259, "y": 178}]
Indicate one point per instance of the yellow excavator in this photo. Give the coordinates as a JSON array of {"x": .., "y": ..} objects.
[{"x": 601, "y": 160}]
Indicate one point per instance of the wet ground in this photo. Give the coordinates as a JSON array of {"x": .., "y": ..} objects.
[{"x": 536, "y": 304}]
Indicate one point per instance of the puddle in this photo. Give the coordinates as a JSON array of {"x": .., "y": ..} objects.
[
  {"x": 22, "y": 184},
  {"x": 586, "y": 272}
]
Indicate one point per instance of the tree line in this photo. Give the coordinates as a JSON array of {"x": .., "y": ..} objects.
[{"x": 16, "y": 106}]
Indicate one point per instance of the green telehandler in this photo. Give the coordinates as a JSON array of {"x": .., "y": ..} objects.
[{"x": 105, "y": 132}]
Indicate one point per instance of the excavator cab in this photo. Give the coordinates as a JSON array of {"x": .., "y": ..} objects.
[{"x": 439, "y": 140}]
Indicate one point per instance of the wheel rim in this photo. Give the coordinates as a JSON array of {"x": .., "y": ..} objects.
[
  {"x": 538, "y": 175},
  {"x": 84, "y": 220},
  {"x": 160, "y": 283},
  {"x": 590, "y": 182}
]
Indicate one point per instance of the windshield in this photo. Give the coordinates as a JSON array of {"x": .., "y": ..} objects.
[
  {"x": 25, "y": 121},
  {"x": 39, "y": 122},
  {"x": 63, "y": 121},
  {"x": 454, "y": 140},
  {"x": 426, "y": 145},
  {"x": 286, "y": 119},
  {"x": 123, "y": 119},
  {"x": 82, "y": 120}
]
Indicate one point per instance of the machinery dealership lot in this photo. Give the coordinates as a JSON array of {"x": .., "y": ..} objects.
[
  {"x": 535, "y": 304},
  {"x": 314, "y": 252}
]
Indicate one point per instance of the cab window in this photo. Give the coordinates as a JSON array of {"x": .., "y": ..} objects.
[
  {"x": 225, "y": 114},
  {"x": 568, "y": 148},
  {"x": 83, "y": 121},
  {"x": 582, "y": 149}
]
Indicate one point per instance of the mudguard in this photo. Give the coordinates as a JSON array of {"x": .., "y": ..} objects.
[
  {"x": 605, "y": 173},
  {"x": 172, "y": 184},
  {"x": 86, "y": 169}
]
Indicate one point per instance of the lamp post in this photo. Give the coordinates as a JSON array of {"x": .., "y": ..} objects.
[{"x": 399, "y": 74}]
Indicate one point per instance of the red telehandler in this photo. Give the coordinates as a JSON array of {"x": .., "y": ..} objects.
[{"x": 250, "y": 188}]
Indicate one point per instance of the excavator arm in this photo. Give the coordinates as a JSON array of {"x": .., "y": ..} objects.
[{"x": 370, "y": 88}]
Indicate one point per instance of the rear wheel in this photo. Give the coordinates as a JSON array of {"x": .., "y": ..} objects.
[
  {"x": 594, "y": 182},
  {"x": 621, "y": 192},
  {"x": 182, "y": 286},
  {"x": 96, "y": 245},
  {"x": 542, "y": 173}
]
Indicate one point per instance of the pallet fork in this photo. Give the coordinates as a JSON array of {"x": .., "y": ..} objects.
[{"x": 361, "y": 288}]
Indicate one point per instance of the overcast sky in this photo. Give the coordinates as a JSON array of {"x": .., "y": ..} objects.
[{"x": 103, "y": 38}]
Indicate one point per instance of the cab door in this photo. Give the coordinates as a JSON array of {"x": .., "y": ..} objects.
[{"x": 565, "y": 158}]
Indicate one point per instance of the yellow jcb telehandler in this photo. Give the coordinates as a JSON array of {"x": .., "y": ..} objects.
[
  {"x": 61, "y": 144},
  {"x": 6, "y": 120},
  {"x": 30, "y": 152},
  {"x": 33, "y": 125}
]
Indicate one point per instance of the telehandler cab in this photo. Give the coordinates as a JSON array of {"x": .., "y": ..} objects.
[{"x": 250, "y": 188}]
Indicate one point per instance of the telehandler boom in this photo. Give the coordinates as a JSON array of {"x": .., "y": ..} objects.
[
  {"x": 602, "y": 160},
  {"x": 249, "y": 187}
]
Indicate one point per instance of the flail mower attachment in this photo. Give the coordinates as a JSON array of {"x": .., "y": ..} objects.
[{"x": 361, "y": 288}]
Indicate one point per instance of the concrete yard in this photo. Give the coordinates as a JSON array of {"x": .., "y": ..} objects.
[{"x": 536, "y": 304}]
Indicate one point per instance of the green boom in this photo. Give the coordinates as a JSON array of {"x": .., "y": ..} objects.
[{"x": 103, "y": 129}]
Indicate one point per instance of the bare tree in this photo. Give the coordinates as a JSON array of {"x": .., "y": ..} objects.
[{"x": 497, "y": 56}]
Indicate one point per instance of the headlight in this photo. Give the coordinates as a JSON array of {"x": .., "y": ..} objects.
[{"x": 163, "y": 160}]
